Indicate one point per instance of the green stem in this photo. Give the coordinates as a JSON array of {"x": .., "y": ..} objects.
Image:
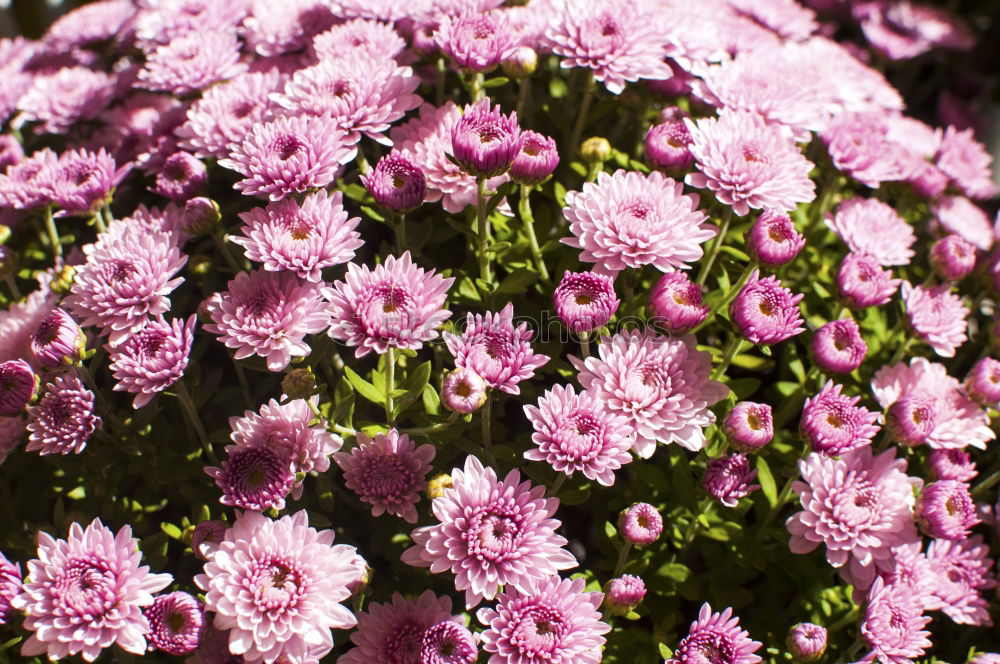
[
  {"x": 187, "y": 405},
  {"x": 390, "y": 376},
  {"x": 12, "y": 285},
  {"x": 434, "y": 428},
  {"x": 226, "y": 253},
  {"x": 523, "y": 94},
  {"x": 342, "y": 430},
  {"x": 399, "y": 225},
  {"x": 693, "y": 528},
  {"x": 482, "y": 231},
  {"x": 849, "y": 618},
  {"x": 241, "y": 376},
  {"x": 793, "y": 401},
  {"x": 585, "y": 344},
  {"x": 730, "y": 296},
  {"x": 104, "y": 218},
  {"x": 901, "y": 351},
  {"x": 524, "y": 209},
  {"x": 487, "y": 419},
  {"x": 476, "y": 87},
  {"x": 53, "y": 232},
  {"x": 988, "y": 483},
  {"x": 622, "y": 557},
  {"x": 713, "y": 253},
  {"x": 786, "y": 492},
  {"x": 554, "y": 490},
  {"x": 581, "y": 118},
  {"x": 735, "y": 344}
]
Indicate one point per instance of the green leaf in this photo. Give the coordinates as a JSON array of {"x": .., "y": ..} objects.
[
  {"x": 484, "y": 286},
  {"x": 675, "y": 571},
  {"x": 665, "y": 652},
  {"x": 363, "y": 387},
  {"x": 610, "y": 530},
  {"x": 413, "y": 387},
  {"x": 373, "y": 213},
  {"x": 560, "y": 193},
  {"x": 557, "y": 88},
  {"x": 735, "y": 253},
  {"x": 458, "y": 226},
  {"x": 517, "y": 281},
  {"x": 787, "y": 388},
  {"x": 497, "y": 247},
  {"x": 496, "y": 82},
  {"x": 171, "y": 531},
  {"x": 767, "y": 483},
  {"x": 431, "y": 400},
  {"x": 355, "y": 192},
  {"x": 504, "y": 189}
]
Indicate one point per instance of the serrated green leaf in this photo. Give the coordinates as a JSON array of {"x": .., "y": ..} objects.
[{"x": 363, "y": 387}]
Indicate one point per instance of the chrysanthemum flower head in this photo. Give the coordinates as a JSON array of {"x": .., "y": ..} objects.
[
  {"x": 484, "y": 141},
  {"x": 388, "y": 472},
  {"x": 945, "y": 510},
  {"x": 575, "y": 432},
  {"x": 552, "y": 620},
  {"x": 963, "y": 571},
  {"x": 254, "y": 478},
  {"x": 81, "y": 181},
  {"x": 773, "y": 240},
  {"x": 396, "y": 305},
  {"x": 893, "y": 626},
  {"x": 765, "y": 311},
  {"x": 10, "y": 586},
  {"x": 660, "y": 384},
  {"x": 17, "y": 386},
  {"x": 63, "y": 419},
  {"x": 290, "y": 155},
  {"x": 491, "y": 533},
  {"x": 951, "y": 465},
  {"x": 365, "y": 36},
  {"x": 464, "y": 391},
  {"x": 715, "y": 633},
  {"x": 862, "y": 282},
  {"x": 959, "y": 215},
  {"x": 859, "y": 506},
  {"x": 623, "y": 594},
  {"x": 676, "y": 303},
  {"x": 748, "y": 163},
  {"x": 288, "y": 427},
  {"x": 491, "y": 346},
  {"x": 911, "y": 419},
  {"x": 838, "y": 347},
  {"x": 640, "y": 524},
  {"x": 287, "y": 27},
  {"x": 628, "y": 219},
  {"x": 192, "y": 61},
  {"x": 536, "y": 160},
  {"x": 616, "y": 40},
  {"x": 394, "y": 631},
  {"x": 302, "y": 238},
  {"x": 448, "y": 642},
  {"x": 181, "y": 176},
  {"x": 806, "y": 642},
  {"x": 152, "y": 358},
  {"x": 58, "y": 100},
  {"x": 397, "y": 182},
  {"x": 728, "y": 478},
  {"x": 585, "y": 301},
  {"x": 268, "y": 314},
  {"x": 667, "y": 145},
  {"x": 967, "y": 163},
  {"x": 983, "y": 381},
  {"x": 872, "y": 227},
  {"x": 279, "y": 577},
  {"x": 952, "y": 257},
  {"x": 86, "y": 592},
  {"x": 749, "y": 426},
  {"x": 176, "y": 623},
  {"x": 937, "y": 316},
  {"x": 474, "y": 42}
]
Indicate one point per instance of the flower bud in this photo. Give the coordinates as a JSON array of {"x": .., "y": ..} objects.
[
  {"x": 17, "y": 386},
  {"x": 640, "y": 524},
  {"x": 837, "y": 347},
  {"x": 200, "y": 265},
  {"x": 536, "y": 160},
  {"x": 623, "y": 594},
  {"x": 585, "y": 301},
  {"x": 463, "y": 391},
  {"x": 773, "y": 240},
  {"x": 728, "y": 478},
  {"x": 364, "y": 575},
  {"x": 595, "y": 149},
  {"x": 397, "y": 183},
  {"x": 749, "y": 426},
  {"x": 206, "y": 538},
  {"x": 58, "y": 340},
  {"x": 484, "y": 141},
  {"x": 299, "y": 383},
  {"x": 676, "y": 303},
  {"x": 983, "y": 382},
  {"x": 521, "y": 63},
  {"x": 911, "y": 419},
  {"x": 953, "y": 258},
  {"x": 951, "y": 464},
  {"x": 667, "y": 146},
  {"x": 437, "y": 485},
  {"x": 806, "y": 642},
  {"x": 62, "y": 280},
  {"x": 945, "y": 510},
  {"x": 200, "y": 216}
]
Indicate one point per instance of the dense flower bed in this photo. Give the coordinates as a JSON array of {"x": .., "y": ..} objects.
[{"x": 436, "y": 332}]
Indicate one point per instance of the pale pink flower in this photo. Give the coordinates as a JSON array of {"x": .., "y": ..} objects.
[
  {"x": 893, "y": 625},
  {"x": 716, "y": 636},
  {"x": 871, "y": 227},
  {"x": 967, "y": 163},
  {"x": 393, "y": 631},
  {"x": 962, "y": 571},
  {"x": 288, "y": 427},
  {"x": 937, "y": 316},
  {"x": 959, "y": 215}
]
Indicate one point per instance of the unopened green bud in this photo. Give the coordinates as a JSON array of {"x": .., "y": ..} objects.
[
  {"x": 299, "y": 383},
  {"x": 595, "y": 149}
]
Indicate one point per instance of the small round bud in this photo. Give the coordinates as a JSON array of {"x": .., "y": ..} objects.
[
  {"x": 58, "y": 340},
  {"x": 206, "y": 538},
  {"x": 585, "y": 301},
  {"x": 953, "y": 258},
  {"x": 521, "y": 63},
  {"x": 181, "y": 177},
  {"x": 484, "y": 141},
  {"x": 667, "y": 146},
  {"x": 862, "y": 282},
  {"x": 17, "y": 386},
  {"x": 640, "y": 524},
  {"x": 364, "y": 575},
  {"x": 436, "y": 485},
  {"x": 837, "y": 347},
  {"x": 447, "y": 642},
  {"x": 983, "y": 382},
  {"x": 806, "y": 642},
  {"x": 62, "y": 280},
  {"x": 200, "y": 265},
  {"x": 911, "y": 419},
  {"x": 728, "y": 478},
  {"x": 536, "y": 160},
  {"x": 623, "y": 594},
  {"x": 749, "y": 426},
  {"x": 200, "y": 216},
  {"x": 595, "y": 149},
  {"x": 773, "y": 240},
  {"x": 463, "y": 391},
  {"x": 299, "y": 383},
  {"x": 397, "y": 183},
  {"x": 676, "y": 303},
  {"x": 5, "y": 233},
  {"x": 945, "y": 510}
]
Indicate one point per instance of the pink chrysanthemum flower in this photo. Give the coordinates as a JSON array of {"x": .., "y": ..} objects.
[
  {"x": 911, "y": 419},
  {"x": 290, "y": 155},
  {"x": 226, "y": 112},
  {"x": 660, "y": 384},
  {"x": 17, "y": 386},
  {"x": 838, "y": 347},
  {"x": 871, "y": 227},
  {"x": 181, "y": 176},
  {"x": 967, "y": 163},
  {"x": 288, "y": 427},
  {"x": 904, "y": 30},
  {"x": 959, "y": 420},
  {"x": 640, "y": 524},
  {"x": 388, "y": 472},
  {"x": 585, "y": 301},
  {"x": 362, "y": 95},
  {"x": 301, "y": 238},
  {"x": 277, "y": 587},
  {"x": 765, "y": 311},
  {"x": 27, "y": 184},
  {"x": 90, "y": 24},
  {"x": 81, "y": 181},
  {"x": 858, "y": 506},
  {"x": 575, "y": 432},
  {"x": 748, "y": 163},
  {"x": 806, "y": 642},
  {"x": 152, "y": 358},
  {"x": 623, "y": 594},
  {"x": 448, "y": 642},
  {"x": 552, "y": 620},
  {"x": 274, "y": 29},
  {"x": 176, "y": 623},
  {"x": 165, "y": 20},
  {"x": 959, "y": 215},
  {"x": 951, "y": 465},
  {"x": 833, "y": 423},
  {"x": 953, "y": 257},
  {"x": 945, "y": 510},
  {"x": 464, "y": 391},
  {"x": 192, "y": 61},
  {"x": 983, "y": 381},
  {"x": 484, "y": 141},
  {"x": 359, "y": 36},
  {"x": 628, "y": 219},
  {"x": 616, "y": 40},
  {"x": 963, "y": 570},
  {"x": 63, "y": 419},
  {"x": 393, "y": 631},
  {"x": 491, "y": 346},
  {"x": 773, "y": 240},
  {"x": 676, "y": 303},
  {"x": 86, "y": 592},
  {"x": 894, "y": 624},
  {"x": 474, "y": 41},
  {"x": 491, "y": 533},
  {"x": 667, "y": 146},
  {"x": 61, "y": 99},
  {"x": 937, "y": 316},
  {"x": 716, "y": 637},
  {"x": 254, "y": 478},
  {"x": 749, "y": 426},
  {"x": 10, "y": 586},
  {"x": 427, "y": 139},
  {"x": 268, "y": 314},
  {"x": 863, "y": 283},
  {"x": 206, "y": 538},
  {"x": 396, "y": 305},
  {"x": 859, "y": 146},
  {"x": 125, "y": 279},
  {"x": 909, "y": 569},
  {"x": 536, "y": 160},
  {"x": 21, "y": 319},
  {"x": 728, "y": 478},
  {"x": 397, "y": 183}
]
